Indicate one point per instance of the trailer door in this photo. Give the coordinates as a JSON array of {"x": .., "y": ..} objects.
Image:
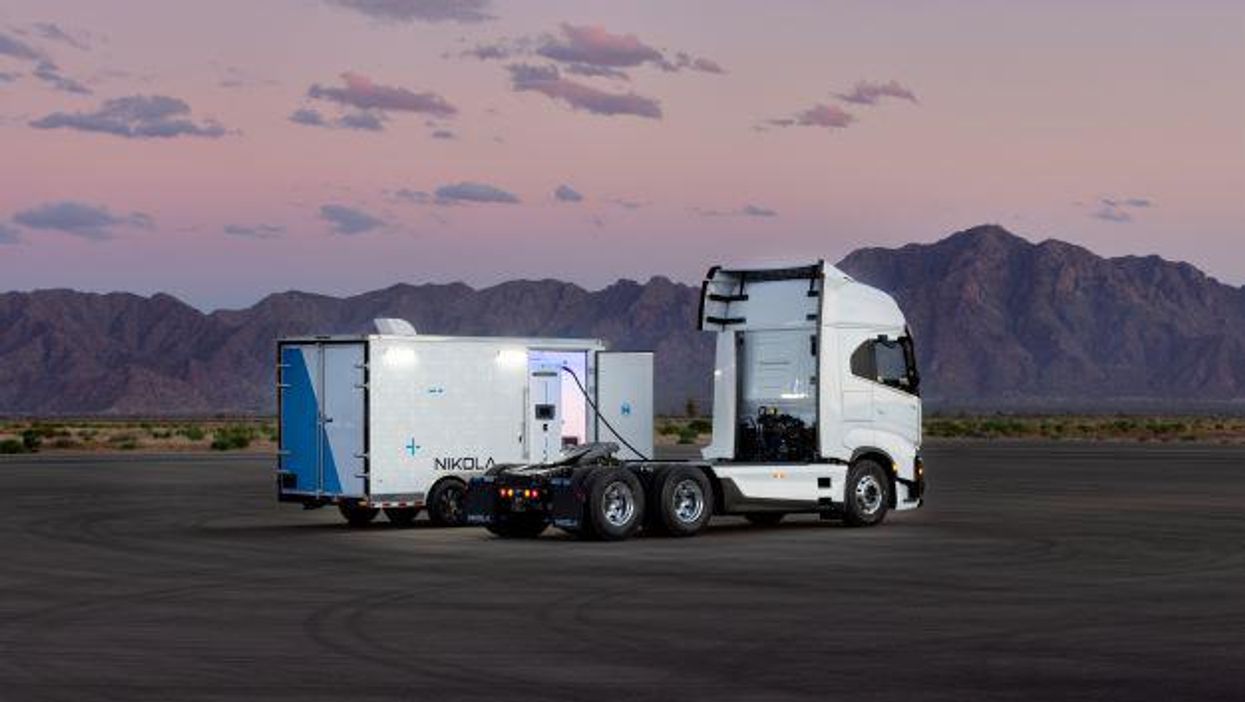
[
  {"x": 322, "y": 400},
  {"x": 343, "y": 468},
  {"x": 625, "y": 401}
]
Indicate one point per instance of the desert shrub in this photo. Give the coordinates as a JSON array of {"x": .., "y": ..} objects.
[
  {"x": 700, "y": 426},
  {"x": 235, "y": 437},
  {"x": 193, "y": 433},
  {"x": 687, "y": 436},
  {"x": 129, "y": 444},
  {"x": 668, "y": 429},
  {"x": 31, "y": 440},
  {"x": 12, "y": 446},
  {"x": 64, "y": 443}
]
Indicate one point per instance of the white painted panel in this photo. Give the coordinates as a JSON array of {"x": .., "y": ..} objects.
[
  {"x": 443, "y": 408},
  {"x": 625, "y": 400}
]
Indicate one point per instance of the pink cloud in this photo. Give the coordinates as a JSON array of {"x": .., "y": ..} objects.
[
  {"x": 595, "y": 45},
  {"x": 548, "y": 81},
  {"x": 362, "y": 93},
  {"x": 868, "y": 93}
]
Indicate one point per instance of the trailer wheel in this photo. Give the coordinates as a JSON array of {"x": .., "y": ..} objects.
[
  {"x": 684, "y": 501},
  {"x": 514, "y": 526},
  {"x": 401, "y": 516},
  {"x": 447, "y": 503},
  {"x": 867, "y": 497},
  {"x": 355, "y": 515},
  {"x": 615, "y": 504},
  {"x": 765, "y": 519}
]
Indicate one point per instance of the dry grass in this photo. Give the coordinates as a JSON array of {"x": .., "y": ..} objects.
[{"x": 155, "y": 435}]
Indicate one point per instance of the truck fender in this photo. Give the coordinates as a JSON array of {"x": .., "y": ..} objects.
[{"x": 883, "y": 459}]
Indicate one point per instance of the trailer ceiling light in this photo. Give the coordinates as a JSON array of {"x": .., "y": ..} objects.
[
  {"x": 399, "y": 357},
  {"x": 512, "y": 358}
]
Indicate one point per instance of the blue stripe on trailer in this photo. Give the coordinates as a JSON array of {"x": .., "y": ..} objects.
[{"x": 299, "y": 410}]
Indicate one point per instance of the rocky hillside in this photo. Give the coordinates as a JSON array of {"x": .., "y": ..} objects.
[{"x": 1000, "y": 323}]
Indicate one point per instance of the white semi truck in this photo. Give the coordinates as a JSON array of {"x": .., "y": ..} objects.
[
  {"x": 401, "y": 421},
  {"x": 816, "y": 410}
]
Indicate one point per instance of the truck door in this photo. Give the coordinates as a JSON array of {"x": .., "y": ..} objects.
[
  {"x": 624, "y": 385},
  {"x": 544, "y": 413},
  {"x": 322, "y": 399}
]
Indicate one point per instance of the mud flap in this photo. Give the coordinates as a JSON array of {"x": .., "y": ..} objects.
[{"x": 481, "y": 501}]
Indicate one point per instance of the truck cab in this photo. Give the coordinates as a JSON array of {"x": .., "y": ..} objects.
[{"x": 813, "y": 368}]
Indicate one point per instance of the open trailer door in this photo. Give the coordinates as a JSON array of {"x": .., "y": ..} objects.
[
  {"x": 624, "y": 384},
  {"x": 322, "y": 407}
]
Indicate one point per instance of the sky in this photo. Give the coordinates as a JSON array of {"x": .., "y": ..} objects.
[{"x": 221, "y": 151}]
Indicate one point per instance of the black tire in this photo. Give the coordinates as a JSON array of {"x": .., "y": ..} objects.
[
  {"x": 615, "y": 507},
  {"x": 447, "y": 503},
  {"x": 401, "y": 516},
  {"x": 684, "y": 501},
  {"x": 867, "y": 495},
  {"x": 519, "y": 526},
  {"x": 765, "y": 519},
  {"x": 355, "y": 515}
]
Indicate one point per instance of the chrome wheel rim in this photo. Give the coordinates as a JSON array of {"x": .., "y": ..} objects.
[
  {"x": 688, "y": 500},
  {"x": 868, "y": 494},
  {"x": 619, "y": 503}
]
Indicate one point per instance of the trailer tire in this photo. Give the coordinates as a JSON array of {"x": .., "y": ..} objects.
[
  {"x": 401, "y": 516},
  {"x": 615, "y": 504},
  {"x": 355, "y": 515},
  {"x": 446, "y": 503},
  {"x": 526, "y": 526},
  {"x": 684, "y": 501},
  {"x": 867, "y": 494},
  {"x": 764, "y": 519}
]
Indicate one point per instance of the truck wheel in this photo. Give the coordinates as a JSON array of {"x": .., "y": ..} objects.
[
  {"x": 446, "y": 506},
  {"x": 765, "y": 519},
  {"x": 685, "y": 501},
  {"x": 615, "y": 505},
  {"x": 527, "y": 526},
  {"x": 867, "y": 496},
  {"x": 401, "y": 516},
  {"x": 355, "y": 515}
]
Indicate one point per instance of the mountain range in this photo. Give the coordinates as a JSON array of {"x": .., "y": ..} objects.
[{"x": 1000, "y": 323}]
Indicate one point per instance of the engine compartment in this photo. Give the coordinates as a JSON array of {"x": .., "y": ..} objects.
[{"x": 773, "y": 436}]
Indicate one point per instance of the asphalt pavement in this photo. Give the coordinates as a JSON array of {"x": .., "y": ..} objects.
[{"x": 1043, "y": 572}]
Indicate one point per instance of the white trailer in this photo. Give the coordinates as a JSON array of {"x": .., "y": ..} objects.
[
  {"x": 816, "y": 410},
  {"x": 401, "y": 421}
]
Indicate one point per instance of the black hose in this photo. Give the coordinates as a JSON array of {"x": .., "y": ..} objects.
[{"x": 604, "y": 421}]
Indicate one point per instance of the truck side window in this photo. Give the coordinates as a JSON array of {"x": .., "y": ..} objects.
[
  {"x": 863, "y": 363},
  {"x": 886, "y": 361},
  {"x": 892, "y": 364}
]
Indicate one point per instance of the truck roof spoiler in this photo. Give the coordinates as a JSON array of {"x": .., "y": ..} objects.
[{"x": 724, "y": 296}]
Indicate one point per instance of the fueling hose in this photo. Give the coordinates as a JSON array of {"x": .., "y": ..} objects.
[{"x": 604, "y": 421}]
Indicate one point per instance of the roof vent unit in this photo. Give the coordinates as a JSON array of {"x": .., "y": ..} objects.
[{"x": 394, "y": 327}]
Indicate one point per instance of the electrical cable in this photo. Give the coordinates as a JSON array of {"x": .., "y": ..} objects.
[{"x": 604, "y": 421}]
